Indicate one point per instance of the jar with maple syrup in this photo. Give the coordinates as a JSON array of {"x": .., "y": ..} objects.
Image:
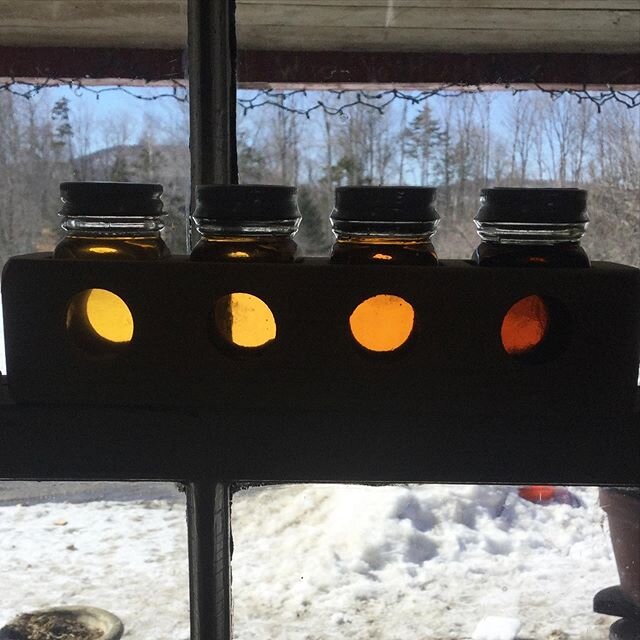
[
  {"x": 251, "y": 223},
  {"x": 531, "y": 227},
  {"x": 384, "y": 226},
  {"x": 538, "y": 228},
  {"x": 245, "y": 224},
  {"x": 107, "y": 221},
  {"x": 111, "y": 221},
  {"x": 390, "y": 225}
]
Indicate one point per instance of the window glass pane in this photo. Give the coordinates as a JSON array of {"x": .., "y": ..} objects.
[
  {"x": 418, "y": 561},
  {"x": 459, "y": 142},
  {"x": 126, "y": 134},
  {"x": 117, "y": 546},
  {"x": 91, "y": 92},
  {"x": 57, "y": 134}
]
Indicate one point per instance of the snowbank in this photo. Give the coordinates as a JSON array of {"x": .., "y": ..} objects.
[
  {"x": 316, "y": 562},
  {"x": 419, "y": 561}
]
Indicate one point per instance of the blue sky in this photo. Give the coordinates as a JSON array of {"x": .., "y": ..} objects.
[
  {"x": 158, "y": 105},
  {"x": 98, "y": 118}
]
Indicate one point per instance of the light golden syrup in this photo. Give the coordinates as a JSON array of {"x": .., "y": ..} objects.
[
  {"x": 244, "y": 249},
  {"x": 77, "y": 247},
  {"x": 98, "y": 319},
  {"x": 245, "y": 224},
  {"x": 244, "y": 320}
]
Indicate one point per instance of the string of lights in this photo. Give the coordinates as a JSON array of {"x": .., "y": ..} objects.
[{"x": 339, "y": 102}]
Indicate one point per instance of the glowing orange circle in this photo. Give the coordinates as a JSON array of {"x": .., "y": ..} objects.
[
  {"x": 382, "y": 323},
  {"x": 525, "y": 325}
]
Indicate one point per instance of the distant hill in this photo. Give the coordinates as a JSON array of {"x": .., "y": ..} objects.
[
  {"x": 166, "y": 164},
  {"x": 138, "y": 162}
]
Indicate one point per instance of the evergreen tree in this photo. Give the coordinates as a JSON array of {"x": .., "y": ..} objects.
[
  {"x": 63, "y": 132},
  {"x": 251, "y": 161},
  {"x": 119, "y": 171},
  {"x": 60, "y": 115},
  {"x": 150, "y": 161},
  {"x": 421, "y": 137}
]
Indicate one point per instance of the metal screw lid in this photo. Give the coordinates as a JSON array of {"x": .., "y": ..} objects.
[
  {"x": 110, "y": 199},
  {"x": 534, "y": 206},
  {"x": 385, "y": 204},
  {"x": 246, "y": 202}
]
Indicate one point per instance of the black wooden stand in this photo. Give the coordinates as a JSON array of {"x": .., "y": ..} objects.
[{"x": 449, "y": 406}]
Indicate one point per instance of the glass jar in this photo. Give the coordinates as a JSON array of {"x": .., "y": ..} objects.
[
  {"x": 254, "y": 223},
  {"x": 532, "y": 228},
  {"x": 111, "y": 221},
  {"x": 107, "y": 221},
  {"x": 390, "y": 225},
  {"x": 384, "y": 225}
]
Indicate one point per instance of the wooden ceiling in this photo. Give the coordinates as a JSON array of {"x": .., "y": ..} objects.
[{"x": 453, "y": 26}]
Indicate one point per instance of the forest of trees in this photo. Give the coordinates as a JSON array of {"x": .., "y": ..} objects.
[{"x": 459, "y": 144}]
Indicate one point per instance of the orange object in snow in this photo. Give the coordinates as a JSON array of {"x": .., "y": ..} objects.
[{"x": 537, "y": 493}]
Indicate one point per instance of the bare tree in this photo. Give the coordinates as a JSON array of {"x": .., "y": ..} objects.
[
  {"x": 521, "y": 128},
  {"x": 540, "y": 108},
  {"x": 583, "y": 126},
  {"x": 559, "y": 127}
]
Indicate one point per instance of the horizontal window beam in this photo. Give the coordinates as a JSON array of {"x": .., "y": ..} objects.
[
  {"x": 72, "y": 442},
  {"x": 326, "y": 69}
]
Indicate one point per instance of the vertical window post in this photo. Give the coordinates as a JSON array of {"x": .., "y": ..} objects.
[
  {"x": 212, "y": 142},
  {"x": 209, "y": 534},
  {"x": 212, "y": 91}
]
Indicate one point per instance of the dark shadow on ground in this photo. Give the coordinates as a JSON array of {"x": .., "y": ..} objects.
[{"x": 28, "y": 493}]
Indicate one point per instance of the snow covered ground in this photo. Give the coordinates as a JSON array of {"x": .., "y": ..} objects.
[
  {"x": 127, "y": 557},
  {"x": 322, "y": 562}
]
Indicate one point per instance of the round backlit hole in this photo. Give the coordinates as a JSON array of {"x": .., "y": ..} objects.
[
  {"x": 99, "y": 320},
  {"x": 382, "y": 323},
  {"x": 525, "y": 326},
  {"x": 244, "y": 320},
  {"x": 536, "y": 329}
]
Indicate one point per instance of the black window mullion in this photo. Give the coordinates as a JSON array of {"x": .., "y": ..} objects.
[
  {"x": 208, "y": 518},
  {"x": 212, "y": 91},
  {"x": 212, "y": 141}
]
